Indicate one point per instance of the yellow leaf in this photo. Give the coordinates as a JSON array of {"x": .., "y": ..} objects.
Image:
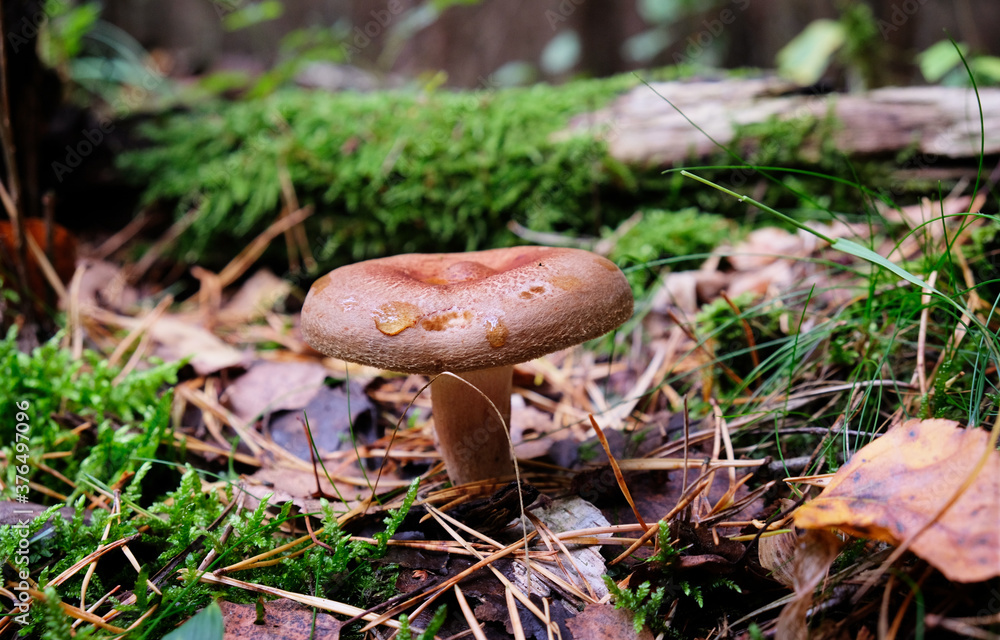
[{"x": 894, "y": 486}]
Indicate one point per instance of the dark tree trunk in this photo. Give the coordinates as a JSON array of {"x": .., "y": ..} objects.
[{"x": 24, "y": 88}]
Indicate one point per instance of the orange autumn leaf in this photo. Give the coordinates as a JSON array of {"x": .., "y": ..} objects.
[{"x": 894, "y": 486}]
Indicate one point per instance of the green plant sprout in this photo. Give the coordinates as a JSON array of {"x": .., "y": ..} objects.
[{"x": 639, "y": 601}]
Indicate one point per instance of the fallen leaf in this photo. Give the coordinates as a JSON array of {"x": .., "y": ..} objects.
[
  {"x": 776, "y": 554},
  {"x": 177, "y": 339},
  {"x": 917, "y": 216},
  {"x": 274, "y": 386},
  {"x": 767, "y": 245},
  {"x": 258, "y": 295},
  {"x": 688, "y": 290},
  {"x": 283, "y": 619},
  {"x": 532, "y": 431},
  {"x": 892, "y": 488},
  {"x": 104, "y": 284},
  {"x": 815, "y": 552},
  {"x": 604, "y": 622},
  {"x": 330, "y": 422},
  {"x": 775, "y": 277},
  {"x": 285, "y": 484},
  {"x": 64, "y": 251}
]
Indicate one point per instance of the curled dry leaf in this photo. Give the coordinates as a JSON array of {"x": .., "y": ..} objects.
[
  {"x": 815, "y": 551},
  {"x": 258, "y": 295},
  {"x": 687, "y": 290},
  {"x": 776, "y": 552},
  {"x": 103, "y": 284},
  {"x": 767, "y": 245},
  {"x": 895, "y": 486}
]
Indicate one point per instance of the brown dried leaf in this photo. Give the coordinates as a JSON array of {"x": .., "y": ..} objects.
[
  {"x": 775, "y": 554},
  {"x": 283, "y": 619},
  {"x": 275, "y": 386},
  {"x": 532, "y": 431},
  {"x": 258, "y": 295},
  {"x": 687, "y": 290},
  {"x": 299, "y": 487},
  {"x": 815, "y": 551},
  {"x": 892, "y": 488},
  {"x": 333, "y": 416},
  {"x": 604, "y": 622},
  {"x": 767, "y": 245},
  {"x": 104, "y": 284},
  {"x": 178, "y": 338},
  {"x": 775, "y": 277}
]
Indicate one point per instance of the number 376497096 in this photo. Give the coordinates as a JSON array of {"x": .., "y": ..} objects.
[{"x": 21, "y": 449}]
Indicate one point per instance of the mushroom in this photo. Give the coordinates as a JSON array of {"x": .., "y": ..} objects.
[{"x": 474, "y": 315}]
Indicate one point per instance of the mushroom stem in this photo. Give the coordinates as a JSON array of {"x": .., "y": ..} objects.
[{"x": 473, "y": 443}]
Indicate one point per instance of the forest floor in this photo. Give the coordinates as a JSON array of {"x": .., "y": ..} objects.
[{"x": 795, "y": 437}]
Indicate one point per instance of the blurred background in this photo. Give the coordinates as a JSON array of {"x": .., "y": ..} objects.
[
  {"x": 214, "y": 118},
  {"x": 517, "y": 41}
]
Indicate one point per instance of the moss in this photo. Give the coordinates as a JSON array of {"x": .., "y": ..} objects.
[
  {"x": 662, "y": 235},
  {"x": 387, "y": 172},
  {"x": 130, "y": 415},
  {"x": 408, "y": 171},
  {"x": 179, "y": 527}
]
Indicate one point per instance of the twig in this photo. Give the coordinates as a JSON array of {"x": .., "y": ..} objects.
[
  {"x": 238, "y": 265},
  {"x": 617, "y": 471},
  {"x": 310, "y": 601},
  {"x": 470, "y": 618},
  {"x": 134, "y": 272},
  {"x": 925, "y": 302},
  {"x": 118, "y": 240}
]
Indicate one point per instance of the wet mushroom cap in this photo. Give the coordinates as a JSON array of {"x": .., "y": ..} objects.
[{"x": 427, "y": 313}]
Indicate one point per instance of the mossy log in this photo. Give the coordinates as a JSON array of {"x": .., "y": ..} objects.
[{"x": 933, "y": 124}]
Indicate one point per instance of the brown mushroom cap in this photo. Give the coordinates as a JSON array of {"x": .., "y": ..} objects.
[{"x": 427, "y": 313}]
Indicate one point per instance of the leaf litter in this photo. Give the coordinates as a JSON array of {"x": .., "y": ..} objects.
[{"x": 658, "y": 464}]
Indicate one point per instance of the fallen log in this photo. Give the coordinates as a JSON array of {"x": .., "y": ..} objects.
[{"x": 643, "y": 129}]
